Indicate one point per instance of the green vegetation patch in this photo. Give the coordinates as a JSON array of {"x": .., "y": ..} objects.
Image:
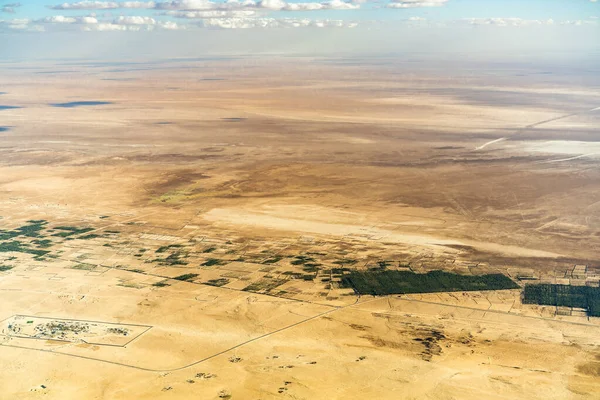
[
  {"x": 292, "y": 274},
  {"x": 272, "y": 260},
  {"x": 213, "y": 261},
  {"x": 264, "y": 285},
  {"x": 218, "y": 282},
  {"x": 345, "y": 261},
  {"x": 401, "y": 282},
  {"x": 136, "y": 270},
  {"x": 311, "y": 267},
  {"x": 172, "y": 259},
  {"x": 43, "y": 243},
  {"x": 4, "y": 268},
  {"x": 33, "y": 229},
  {"x": 301, "y": 260},
  {"x": 68, "y": 231},
  {"x": 382, "y": 264},
  {"x": 84, "y": 267},
  {"x": 19, "y": 247},
  {"x": 90, "y": 236},
  {"x": 160, "y": 284},
  {"x": 162, "y": 249},
  {"x": 564, "y": 296},
  {"x": 186, "y": 277}
]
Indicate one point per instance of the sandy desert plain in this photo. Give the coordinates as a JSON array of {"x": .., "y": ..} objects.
[{"x": 180, "y": 229}]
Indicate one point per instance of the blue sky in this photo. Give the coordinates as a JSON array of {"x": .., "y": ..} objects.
[
  {"x": 386, "y": 25},
  {"x": 376, "y": 10}
]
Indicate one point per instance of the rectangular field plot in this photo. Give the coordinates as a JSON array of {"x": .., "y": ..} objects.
[
  {"x": 402, "y": 282},
  {"x": 71, "y": 330}
]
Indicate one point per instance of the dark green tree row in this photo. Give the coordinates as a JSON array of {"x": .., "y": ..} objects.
[{"x": 564, "y": 296}]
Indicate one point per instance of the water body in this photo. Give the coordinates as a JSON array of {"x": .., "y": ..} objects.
[
  {"x": 164, "y": 123},
  {"x": 74, "y": 104},
  {"x": 4, "y": 128},
  {"x": 212, "y": 79},
  {"x": 233, "y": 119},
  {"x": 8, "y": 107}
]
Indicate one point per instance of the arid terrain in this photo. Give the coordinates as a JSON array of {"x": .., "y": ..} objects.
[{"x": 181, "y": 229}]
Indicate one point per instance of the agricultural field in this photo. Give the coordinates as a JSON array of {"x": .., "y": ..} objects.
[
  {"x": 585, "y": 297},
  {"x": 402, "y": 282}
]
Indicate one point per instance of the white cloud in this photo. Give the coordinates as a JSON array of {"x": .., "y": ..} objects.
[
  {"x": 303, "y": 6},
  {"x": 21, "y": 24},
  {"x": 186, "y": 5},
  {"x": 88, "y": 20},
  {"x": 416, "y": 3},
  {"x": 60, "y": 19},
  {"x": 277, "y": 5},
  {"x": 207, "y": 5},
  {"x": 502, "y": 22},
  {"x": 18, "y": 24},
  {"x": 134, "y": 20},
  {"x": 10, "y": 8},
  {"x": 272, "y": 4},
  {"x": 108, "y": 27},
  {"x": 103, "y": 5},
  {"x": 137, "y": 4},
  {"x": 211, "y": 14},
  {"x": 133, "y": 24},
  {"x": 580, "y": 22},
  {"x": 87, "y": 5},
  {"x": 248, "y": 23},
  {"x": 340, "y": 5},
  {"x": 170, "y": 26}
]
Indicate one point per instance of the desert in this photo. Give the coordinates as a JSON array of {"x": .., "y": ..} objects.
[{"x": 198, "y": 229}]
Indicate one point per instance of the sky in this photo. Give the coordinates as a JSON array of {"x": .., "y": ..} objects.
[{"x": 287, "y": 26}]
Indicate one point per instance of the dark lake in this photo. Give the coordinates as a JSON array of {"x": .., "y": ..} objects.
[
  {"x": 80, "y": 104},
  {"x": 4, "y": 128},
  {"x": 8, "y": 107},
  {"x": 233, "y": 119}
]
